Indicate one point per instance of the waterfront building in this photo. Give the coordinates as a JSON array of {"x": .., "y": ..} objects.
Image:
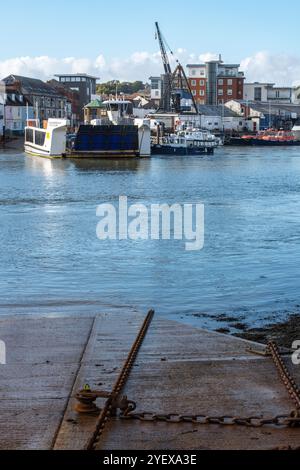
[
  {"x": 17, "y": 110},
  {"x": 215, "y": 82},
  {"x": 45, "y": 99},
  {"x": 296, "y": 95},
  {"x": 267, "y": 114},
  {"x": 156, "y": 90},
  {"x": 265, "y": 92},
  {"x": 73, "y": 111},
  {"x": 221, "y": 118},
  {"x": 83, "y": 84}
]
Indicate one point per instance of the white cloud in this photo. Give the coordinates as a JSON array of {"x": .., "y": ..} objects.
[
  {"x": 281, "y": 69},
  {"x": 262, "y": 66}
]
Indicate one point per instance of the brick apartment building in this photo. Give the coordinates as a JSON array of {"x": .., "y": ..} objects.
[{"x": 215, "y": 83}]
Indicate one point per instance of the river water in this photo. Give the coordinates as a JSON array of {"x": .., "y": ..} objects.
[{"x": 52, "y": 262}]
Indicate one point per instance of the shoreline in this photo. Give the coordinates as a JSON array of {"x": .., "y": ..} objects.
[{"x": 284, "y": 333}]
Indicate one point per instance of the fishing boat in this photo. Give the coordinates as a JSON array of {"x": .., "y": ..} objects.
[
  {"x": 115, "y": 134},
  {"x": 186, "y": 142}
]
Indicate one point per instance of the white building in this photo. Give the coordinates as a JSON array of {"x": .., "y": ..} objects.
[
  {"x": 156, "y": 89},
  {"x": 296, "y": 95},
  {"x": 265, "y": 92}
]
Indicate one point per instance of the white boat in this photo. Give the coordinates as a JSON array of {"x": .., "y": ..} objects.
[
  {"x": 49, "y": 142},
  {"x": 186, "y": 142}
]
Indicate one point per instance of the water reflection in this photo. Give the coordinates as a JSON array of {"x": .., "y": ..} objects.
[{"x": 107, "y": 164}]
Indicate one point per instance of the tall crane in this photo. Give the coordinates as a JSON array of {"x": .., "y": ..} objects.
[
  {"x": 163, "y": 51},
  {"x": 174, "y": 84},
  {"x": 166, "y": 98}
]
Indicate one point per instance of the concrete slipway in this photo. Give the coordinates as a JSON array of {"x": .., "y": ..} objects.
[{"x": 179, "y": 369}]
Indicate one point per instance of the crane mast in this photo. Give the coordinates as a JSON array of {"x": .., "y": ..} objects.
[
  {"x": 173, "y": 84},
  {"x": 163, "y": 51}
]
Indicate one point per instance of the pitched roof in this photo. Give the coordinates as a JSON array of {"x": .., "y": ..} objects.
[
  {"x": 31, "y": 86},
  {"x": 95, "y": 104},
  {"x": 275, "y": 108},
  {"x": 16, "y": 100},
  {"x": 216, "y": 111}
]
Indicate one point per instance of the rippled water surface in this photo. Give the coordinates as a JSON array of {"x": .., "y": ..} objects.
[{"x": 52, "y": 261}]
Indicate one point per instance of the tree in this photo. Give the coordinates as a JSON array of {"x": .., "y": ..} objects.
[{"x": 109, "y": 88}]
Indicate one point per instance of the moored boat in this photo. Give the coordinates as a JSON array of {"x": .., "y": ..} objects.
[
  {"x": 49, "y": 141},
  {"x": 269, "y": 137},
  {"x": 116, "y": 134},
  {"x": 187, "y": 142}
]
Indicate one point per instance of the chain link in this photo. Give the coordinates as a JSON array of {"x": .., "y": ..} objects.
[
  {"x": 251, "y": 421},
  {"x": 292, "y": 420},
  {"x": 288, "y": 381},
  {"x": 128, "y": 407},
  {"x": 109, "y": 408}
]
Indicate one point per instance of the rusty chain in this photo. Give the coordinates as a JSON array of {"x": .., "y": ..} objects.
[
  {"x": 109, "y": 409},
  {"x": 288, "y": 381},
  {"x": 127, "y": 408},
  {"x": 252, "y": 421},
  {"x": 284, "y": 420}
]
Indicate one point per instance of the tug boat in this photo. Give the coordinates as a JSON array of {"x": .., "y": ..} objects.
[
  {"x": 186, "y": 142},
  {"x": 116, "y": 134}
]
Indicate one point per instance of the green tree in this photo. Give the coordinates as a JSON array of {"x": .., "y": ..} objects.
[{"x": 109, "y": 88}]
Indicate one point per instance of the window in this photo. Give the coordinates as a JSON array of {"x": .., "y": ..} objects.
[
  {"x": 220, "y": 81},
  {"x": 193, "y": 72},
  {"x": 194, "y": 83},
  {"x": 29, "y": 135},
  {"x": 194, "y": 92},
  {"x": 202, "y": 73},
  {"x": 229, "y": 92},
  {"x": 202, "y": 82},
  {"x": 229, "y": 81},
  {"x": 157, "y": 93},
  {"x": 257, "y": 94},
  {"x": 40, "y": 138},
  {"x": 202, "y": 93},
  {"x": 220, "y": 92}
]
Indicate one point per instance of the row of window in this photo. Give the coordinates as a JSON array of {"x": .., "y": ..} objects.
[
  {"x": 49, "y": 103},
  {"x": 201, "y": 92},
  {"x": 221, "y": 92},
  {"x": 201, "y": 82},
  {"x": 73, "y": 79},
  {"x": 221, "y": 81}
]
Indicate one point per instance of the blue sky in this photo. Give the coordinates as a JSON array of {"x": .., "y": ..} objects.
[{"x": 116, "y": 30}]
